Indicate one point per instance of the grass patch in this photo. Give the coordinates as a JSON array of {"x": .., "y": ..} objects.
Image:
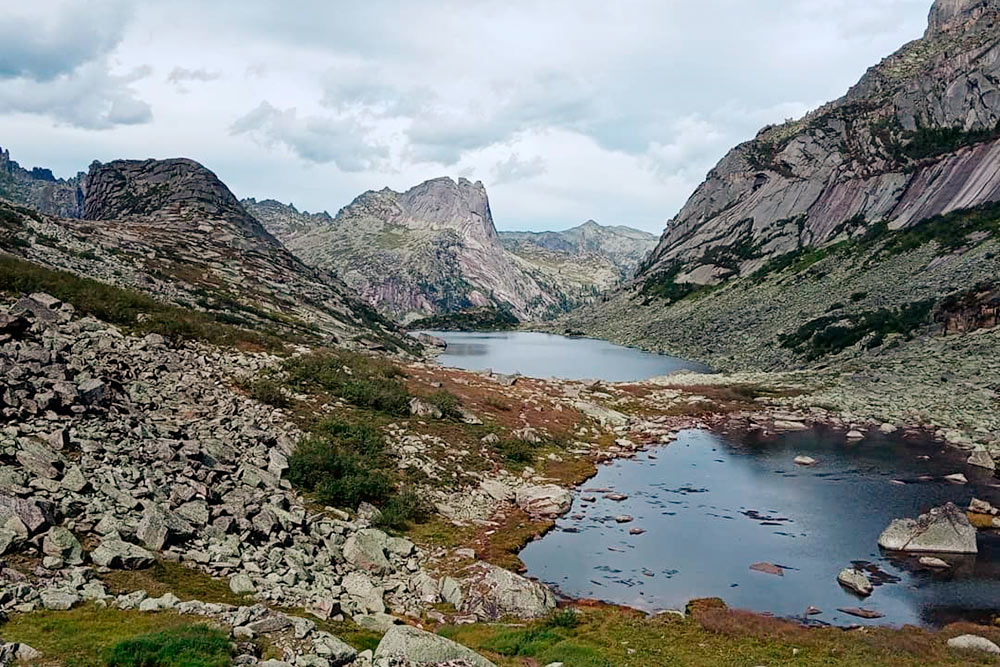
[
  {"x": 607, "y": 636},
  {"x": 129, "y": 309},
  {"x": 168, "y": 577},
  {"x": 83, "y": 636},
  {"x": 184, "y": 646}
]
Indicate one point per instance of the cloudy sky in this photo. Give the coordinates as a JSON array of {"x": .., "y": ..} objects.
[{"x": 565, "y": 109}]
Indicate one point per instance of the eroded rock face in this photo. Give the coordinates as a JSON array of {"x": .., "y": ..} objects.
[
  {"x": 851, "y": 163},
  {"x": 493, "y": 593},
  {"x": 944, "y": 529}
]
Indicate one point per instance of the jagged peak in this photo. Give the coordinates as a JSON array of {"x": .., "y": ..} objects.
[{"x": 946, "y": 14}]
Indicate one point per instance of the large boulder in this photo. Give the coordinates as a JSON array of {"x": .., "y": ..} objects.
[
  {"x": 34, "y": 514},
  {"x": 117, "y": 553},
  {"x": 973, "y": 643},
  {"x": 404, "y": 644},
  {"x": 493, "y": 593},
  {"x": 366, "y": 550},
  {"x": 546, "y": 500},
  {"x": 160, "y": 526},
  {"x": 61, "y": 543},
  {"x": 944, "y": 529}
]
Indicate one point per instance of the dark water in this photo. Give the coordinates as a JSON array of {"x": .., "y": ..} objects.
[
  {"x": 547, "y": 355},
  {"x": 713, "y": 505}
]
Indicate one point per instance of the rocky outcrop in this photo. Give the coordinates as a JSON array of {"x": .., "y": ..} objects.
[
  {"x": 944, "y": 529},
  {"x": 493, "y": 593},
  {"x": 126, "y": 188},
  {"x": 38, "y": 189},
  {"x": 916, "y": 137}
]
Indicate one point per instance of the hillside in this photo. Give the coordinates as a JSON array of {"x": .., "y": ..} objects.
[
  {"x": 434, "y": 250},
  {"x": 172, "y": 230}
]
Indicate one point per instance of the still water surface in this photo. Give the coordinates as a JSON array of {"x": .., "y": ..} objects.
[
  {"x": 713, "y": 505},
  {"x": 551, "y": 356}
]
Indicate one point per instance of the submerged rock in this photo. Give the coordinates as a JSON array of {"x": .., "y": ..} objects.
[
  {"x": 944, "y": 529},
  {"x": 855, "y": 581}
]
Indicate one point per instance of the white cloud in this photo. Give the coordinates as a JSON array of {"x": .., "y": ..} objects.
[
  {"x": 567, "y": 109},
  {"x": 341, "y": 140},
  {"x": 515, "y": 169}
]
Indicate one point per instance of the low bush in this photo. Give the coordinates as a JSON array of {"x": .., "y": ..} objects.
[
  {"x": 185, "y": 646},
  {"x": 402, "y": 510},
  {"x": 447, "y": 403},
  {"x": 362, "y": 380}
]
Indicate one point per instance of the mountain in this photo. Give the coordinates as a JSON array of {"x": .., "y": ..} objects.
[
  {"x": 917, "y": 136},
  {"x": 864, "y": 231},
  {"x": 601, "y": 256},
  {"x": 434, "y": 250},
  {"x": 172, "y": 229},
  {"x": 39, "y": 189}
]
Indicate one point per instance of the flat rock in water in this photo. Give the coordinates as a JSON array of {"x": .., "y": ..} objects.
[
  {"x": 623, "y": 518},
  {"x": 982, "y": 458},
  {"x": 956, "y": 478},
  {"x": 944, "y": 529},
  {"x": 936, "y": 563},
  {"x": 768, "y": 568},
  {"x": 861, "y": 612},
  {"x": 805, "y": 461}
]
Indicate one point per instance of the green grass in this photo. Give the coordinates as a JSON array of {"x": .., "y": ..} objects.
[
  {"x": 609, "y": 636},
  {"x": 83, "y": 636},
  {"x": 169, "y": 577},
  {"x": 184, "y": 646},
  {"x": 123, "y": 307}
]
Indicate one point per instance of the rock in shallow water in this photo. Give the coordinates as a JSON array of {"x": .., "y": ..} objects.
[
  {"x": 944, "y": 529},
  {"x": 855, "y": 581}
]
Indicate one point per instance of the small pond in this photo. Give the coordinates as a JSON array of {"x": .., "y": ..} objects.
[
  {"x": 552, "y": 356},
  {"x": 712, "y": 505}
]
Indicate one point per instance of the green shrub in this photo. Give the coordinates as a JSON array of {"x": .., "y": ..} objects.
[
  {"x": 479, "y": 319},
  {"x": 831, "y": 334},
  {"x": 563, "y": 618},
  {"x": 402, "y": 510},
  {"x": 267, "y": 390},
  {"x": 337, "y": 475},
  {"x": 185, "y": 646},
  {"x": 515, "y": 451},
  {"x": 360, "y": 379},
  {"x": 447, "y": 403},
  {"x": 933, "y": 141}
]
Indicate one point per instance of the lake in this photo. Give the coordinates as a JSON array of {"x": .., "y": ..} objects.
[
  {"x": 712, "y": 505},
  {"x": 552, "y": 356}
]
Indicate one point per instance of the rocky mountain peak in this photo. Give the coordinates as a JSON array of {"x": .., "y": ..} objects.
[
  {"x": 177, "y": 186},
  {"x": 946, "y": 15},
  {"x": 443, "y": 202}
]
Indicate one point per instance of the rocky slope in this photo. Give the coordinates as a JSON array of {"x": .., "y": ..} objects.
[
  {"x": 434, "y": 250},
  {"x": 170, "y": 228},
  {"x": 917, "y": 136}
]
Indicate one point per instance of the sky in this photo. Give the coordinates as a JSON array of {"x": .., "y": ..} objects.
[{"x": 566, "y": 110}]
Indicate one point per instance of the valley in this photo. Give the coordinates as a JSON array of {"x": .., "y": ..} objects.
[{"x": 237, "y": 433}]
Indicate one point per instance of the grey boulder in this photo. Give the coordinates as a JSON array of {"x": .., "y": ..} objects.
[
  {"x": 944, "y": 529},
  {"x": 404, "y": 643},
  {"x": 494, "y": 593}
]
